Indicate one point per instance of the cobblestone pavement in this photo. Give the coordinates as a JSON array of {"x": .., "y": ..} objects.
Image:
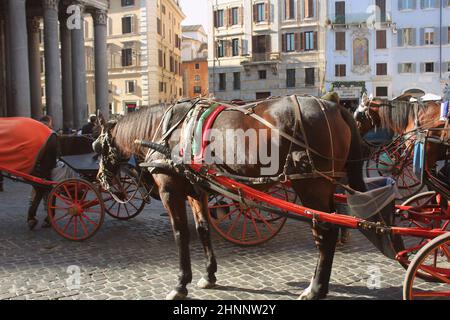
[{"x": 138, "y": 260}]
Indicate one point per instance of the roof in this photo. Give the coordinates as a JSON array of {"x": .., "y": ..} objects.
[{"x": 191, "y": 28}]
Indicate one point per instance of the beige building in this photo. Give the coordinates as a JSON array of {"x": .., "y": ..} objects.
[
  {"x": 262, "y": 48},
  {"x": 143, "y": 54}
]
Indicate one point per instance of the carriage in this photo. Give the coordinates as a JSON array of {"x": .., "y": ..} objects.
[
  {"x": 76, "y": 204},
  {"x": 416, "y": 233}
]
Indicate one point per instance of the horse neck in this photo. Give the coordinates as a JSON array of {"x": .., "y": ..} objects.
[{"x": 142, "y": 125}]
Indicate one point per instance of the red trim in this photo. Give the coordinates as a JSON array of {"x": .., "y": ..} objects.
[{"x": 27, "y": 177}]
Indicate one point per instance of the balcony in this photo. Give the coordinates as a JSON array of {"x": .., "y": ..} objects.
[
  {"x": 359, "y": 19},
  {"x": 262, "y": 58}
]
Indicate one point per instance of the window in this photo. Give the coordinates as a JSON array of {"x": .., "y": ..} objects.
[
  {"x": 42, "y": 64},
  {"x": 221, "y": 49},
  {"x": 261, "y": 44},
  {"x": 289, "y": 9},
  {"x": 171, "y": 65},
  {"x": 234, "y": 16},
  {"x": 381, "y": 4},
  {"x": 126, "y": 3},
  {"x": 130, "y": 86},
  {"x": 222, "y": 82},
  {"x": 406, "y": 68},
  {"x": 197, "y": 66},
  {"x": 407, "y": 37},
  {"x": 262, "y": 74},
  {"x": 235, "y": 47},
  {"x": 340, "y": 70},
  {"x": 218, "y": 18},
  {"x": 429, "y": 36},
  {"x": 290, "y": 78},
  {"x": 127, "y": 57},
  {"x": 197, "y": 77},
  {"x": 340, "y": 41},
  {"x": 429, "y": 4},
  {"x": 429, "y": 67},
  {"x": 339, "y": 9},
  {"x": 406, "y": 4},
  {"x": 381, "y": 39},
  {"x": 127, "y": 25},
  {"x": 197, "y": 89},
  {"x": 310, "y": 40},
  {"x": 260, "y": 12},
  {"x": 236, "y": 81},
  {"x": 290, "y": 42},
  {"x": 381, "y": 69},
  {"x": 160, "y": 58},
  {"x": 161, "y": 86},
  {"x": 381, "y": 91},
  {"x": 309, "y": 77},
  {"x": 448, "y": 65},
  {"x": 163, "y": 9},
  {"x": 309, "y": 8}
]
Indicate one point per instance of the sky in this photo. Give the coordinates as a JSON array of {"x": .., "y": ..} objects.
[{"x": 196, "y": 12}]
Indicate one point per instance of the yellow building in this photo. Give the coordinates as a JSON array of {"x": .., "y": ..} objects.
[{"x": 144, "y": 54}]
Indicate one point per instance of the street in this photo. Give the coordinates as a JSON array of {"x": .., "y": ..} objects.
[{"x": 138, "y": 260}]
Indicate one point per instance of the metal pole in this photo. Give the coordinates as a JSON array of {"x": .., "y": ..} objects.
[{"x": 440, "y": 38}]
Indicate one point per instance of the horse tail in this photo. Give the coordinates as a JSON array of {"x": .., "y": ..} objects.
[{"x": 355, "y": 160}]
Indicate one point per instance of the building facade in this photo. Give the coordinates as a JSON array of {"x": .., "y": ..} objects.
[
  {"x": 360, "y": 41},
  {"x": 143, "y": 54},
  {"x": 64, "y": 68},
  {"x": 387, "y": 47},
  {"x": 421, "y": 50},
  {"x": 262, "y": 48},
  {"x": 194, "y": 56}
]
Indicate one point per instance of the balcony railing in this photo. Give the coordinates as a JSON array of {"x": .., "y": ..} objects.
[
  {"x": 263, "y": 57},
  {"x": 359, "y": 18}
]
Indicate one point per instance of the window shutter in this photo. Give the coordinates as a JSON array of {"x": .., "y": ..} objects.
[
  {"x": 413, "y": 36},
  {"x": 422, "y": 36},
  {"x": 400, "y": 68},
  {"x": 244, "y": 47},
  {"x": 414, "y": 4},
  {"x": 400, "y": 4},
  {"x": 284, "y": 42},
  {"x": 422, "y": 67},
  {"x": 228, "y": 48},
  {"x": 316, "y": 42},
  {"x": 444, "y": 35},
  {"x": 286, "y": 9},
  {"x": 306, "y": 8},
  {"x": 414, "y": 68},
  {"x": 437, "y": 35},
  {"x": 422, "y": 4},
  {"x": 267, "y": 11},
  {"x": 268, "y": 44},
  {"x": 297, "y": 41},
  {"x": 215, "y": 18},
  {"x": 437, "y": 4},
  {"x": 241, "y": 15},
  {"x": 302, "y": 41},
  {"x": 400, "y": 37},
  {"x": 255, "y": 13}
]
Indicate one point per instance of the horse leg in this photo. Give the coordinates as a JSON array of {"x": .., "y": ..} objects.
[
  {"x": 318, "y": 195},
  {"x": 199, "y": 206},
  {"x": 35, "y": 198},
  {"x": 174, "y": 201}
]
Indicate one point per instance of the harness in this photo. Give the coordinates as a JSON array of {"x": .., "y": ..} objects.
[{"x": 200, "y": 118}]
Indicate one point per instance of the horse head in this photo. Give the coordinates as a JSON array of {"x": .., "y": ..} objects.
[
  {"x": 366, "y": 115},
  {"x": 110, "y": 156}
]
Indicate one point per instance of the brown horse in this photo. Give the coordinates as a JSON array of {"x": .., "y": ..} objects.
[
  {"x": 326, "y": 127},
  {"x": 402, "y": 117}
]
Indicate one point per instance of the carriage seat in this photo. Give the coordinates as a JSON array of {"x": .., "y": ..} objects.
[{"x": 88, "y": 162}]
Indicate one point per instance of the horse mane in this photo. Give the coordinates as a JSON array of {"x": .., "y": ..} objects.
[
  {"x": 396, "y": 115},
  {"x": 140, "y": 124}
]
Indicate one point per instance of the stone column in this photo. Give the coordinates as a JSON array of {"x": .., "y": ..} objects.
[
  {"x": 66, "y": 72},
  {"x": 79, "y": 73},
  {"x": 101, "y": 63},
  {"x": 18, "y": 54},
  {"x": 53, "y": 91},
  {"x": 34, "y": 58}
]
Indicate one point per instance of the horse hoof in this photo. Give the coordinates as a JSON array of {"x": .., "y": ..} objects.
[
  {"x": 205, "y": 284},
  {"x": 46, "y": 224},
  {"x": 308, "y": 294},
  {"x": 176, "y": 295},
  {"x": 32, "y": 224}
]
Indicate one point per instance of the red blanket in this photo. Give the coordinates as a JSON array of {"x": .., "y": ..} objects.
[{"x": 21, "y": 139}]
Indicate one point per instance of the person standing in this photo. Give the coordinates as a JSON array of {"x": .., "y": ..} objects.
[{"x": 89, "y": 127}]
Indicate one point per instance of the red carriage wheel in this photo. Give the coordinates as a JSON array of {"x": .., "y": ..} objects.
[
  {"x": 75, "y": 209},
  {"x": 127, "y": 190},
  {"x": 434, "y": 260},
  {"x": 425, "y": 213},
  {"x": 247, "y": 226}
]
